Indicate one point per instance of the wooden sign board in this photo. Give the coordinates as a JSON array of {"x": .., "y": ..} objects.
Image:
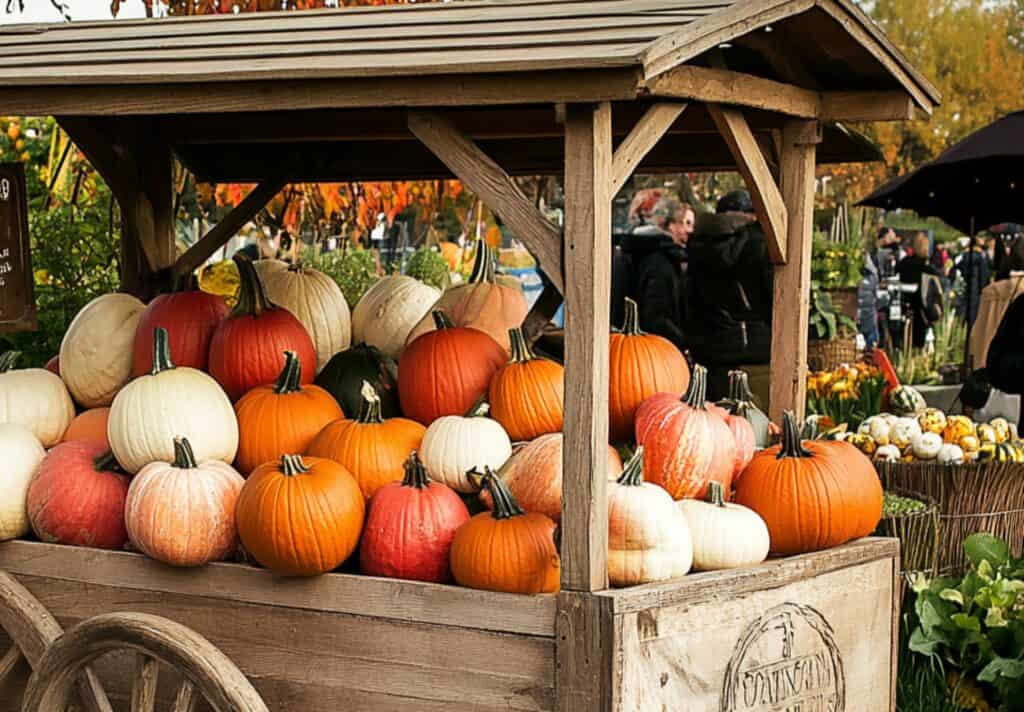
[{"x": 17, "y": 292}]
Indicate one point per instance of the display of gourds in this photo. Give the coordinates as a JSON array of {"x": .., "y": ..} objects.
[
  {"x": 190, "y": 318},
  {"x": 934, "y": 436},
  {"x": 22, "y": 454},
  {"x": 389, "y": 310},
  {"x": 34, "y": 398},
  {"x": 526, "y": 394},
  {"x": 455, "y": 445},
  {"x": 344, "y": 374}
]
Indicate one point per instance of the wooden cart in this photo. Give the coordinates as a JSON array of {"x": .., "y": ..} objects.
[{"x": 481, "y": 91}]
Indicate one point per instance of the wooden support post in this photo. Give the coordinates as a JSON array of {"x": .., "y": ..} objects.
[
  {"x": 793, "y": 280},
  {"x": 645, "y": 135}
]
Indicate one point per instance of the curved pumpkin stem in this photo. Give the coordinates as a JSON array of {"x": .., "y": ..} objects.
[
  {"x": 479, "y": 409},
  {"x": 161, "y": 351},
  {"x": 292, "y": 465},
  {"x": 716, "y": 494},
  {"x": 792, "y": 445},
  {"x": 696, "y": 394},
  {"x": 521, "y": 351},
  {"x": 631, "y": 322},
  {"x": 483, "y": 264},
  {"x": 105, "y": 462},
  {"x": 740, "y": 396},
  {"x": 369, "y": 411},
  {"x": 633, "y": 473},
  {"x": 505, "y": 505},
  {"x": 252, "y": 300},
  {"x": 442, "y": 320},
  {"x": 8, "y": 359},
  {"x": 415, "y": 472},
  {"x": 184, "y": 458},
  {"x": 290, "y": 380}
]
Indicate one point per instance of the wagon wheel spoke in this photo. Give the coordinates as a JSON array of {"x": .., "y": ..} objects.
[
  {"x": 185, "y": 700},
  {"x": 10, "y": 661},
  {"x": 147, "y": 671}
]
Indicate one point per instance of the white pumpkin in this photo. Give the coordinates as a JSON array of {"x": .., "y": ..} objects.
[
  {"x": 724, "y": 535},
  {"x": 648, "y": 537},
  {"x": 267, "y": 267},
  {"x": 22, "y": 454},
  {"x": 97, "y": 351},
  {"x": 950, "y": 454},
  {"x": 878, "y": 428},
  {"x": 388, "y": 312},
  {"x": 454, "y": 445},
  {"x": 926, "y": 446},
  {"x": 36, "y": 399},
  {"x": 904, "y": 431},
  {"x": 888, "y": 453},
  {"x": 316, "y": 300},
  {"x": 153, "y": 410}
]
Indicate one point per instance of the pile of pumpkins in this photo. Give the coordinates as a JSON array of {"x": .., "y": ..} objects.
[
  {"x": 922, "y": 434},
  {"x": 201, "y": 430}
]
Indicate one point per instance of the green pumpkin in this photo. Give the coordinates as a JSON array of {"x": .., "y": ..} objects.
[
  {"x": 906, "y": 401},
  {"x": 997, "y": 452},
  {"x": 741, "y": 402},
  {"x": 344, "y": 374}
]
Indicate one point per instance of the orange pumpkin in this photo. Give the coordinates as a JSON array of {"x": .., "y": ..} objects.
[
  {"x": 300, "y": 516},
  {"x": 373, "y": 449},
  {"x": 808, "y": 494},
  {"x": 639, "y": 366},
  {"x": 452, "y": 254},
  {"x": 506, "y": 549},
  {"x": 89, "y": 425},
  {"x": 526, "y": 393},
  {"x": 284, "y": 417}
]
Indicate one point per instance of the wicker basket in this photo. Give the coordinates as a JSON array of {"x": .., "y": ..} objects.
[
  {"x": 919, "y": 534},
  {"x": 971, "y": 498},
  {"x": 829, "y": 355}
]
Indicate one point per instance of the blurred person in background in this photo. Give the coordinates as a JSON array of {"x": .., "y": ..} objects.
[
  {"x": 973, "y": 267},
  {"x": 925, "y": 303}
]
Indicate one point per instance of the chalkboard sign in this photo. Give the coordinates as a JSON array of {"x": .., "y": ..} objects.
[{"x": 17, "y": 293}]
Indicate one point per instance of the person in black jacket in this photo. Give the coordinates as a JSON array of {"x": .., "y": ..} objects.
[
  {"x": 730, "y": 291},
  {"x": 974, "y": 268},
  {"x": 925, "y": 304},
  {"x": 1005, "y": 360}
]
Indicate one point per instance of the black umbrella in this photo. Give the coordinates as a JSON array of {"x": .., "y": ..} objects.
[{"x": 974, "y": 184}]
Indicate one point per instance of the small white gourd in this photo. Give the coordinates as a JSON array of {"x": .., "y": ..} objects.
[
  {"x": 22, "y": 454},
  {"x": 904, "y": 431},
  {"x": 878, "y": 428},
  {"x": 926, "y": 446},
  {"x": 455, "y": 445},
  {"x": 950, "y": 454},
  {"x": 888, "y": 453},
  {"x": 724, "y": 535}
]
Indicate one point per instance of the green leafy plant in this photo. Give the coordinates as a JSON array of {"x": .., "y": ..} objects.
[
  {"x": 428, "y": 266},
  {"x": 825, "y": 322},
  {"x": 836, "y": 265},
  {"x": 354, "y": 269}
]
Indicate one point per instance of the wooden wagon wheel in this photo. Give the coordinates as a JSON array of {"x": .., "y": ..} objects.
[
  {"x": 206, "y": 672},
  {"x": 32, "y": 630}
]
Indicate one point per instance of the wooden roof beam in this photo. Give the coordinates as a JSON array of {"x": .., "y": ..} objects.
[
  {"x": 494, "y": 186},
  {"x": 650, "y": 129}
]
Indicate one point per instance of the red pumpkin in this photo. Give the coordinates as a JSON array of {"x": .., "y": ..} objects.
[
  {"x": 246, "y": 348},
  {"x": 77, "y": 498},
  {"x": 53, "y": 365},
  {"x": 444, "y": 372},
  {"x": 685, "y": 445},
  {"x": 190, "y": 319},
  {"x": 410, "y": 526},
  {"x": 746, "y": 442}
]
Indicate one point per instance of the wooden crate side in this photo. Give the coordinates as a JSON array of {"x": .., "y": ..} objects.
[
  {"x": 823, "y": 643},
  {"x": 333, "y": 593},
  {"x": 324, "y": 661}
]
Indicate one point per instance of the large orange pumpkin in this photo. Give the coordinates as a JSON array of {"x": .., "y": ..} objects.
[
  {"x": 526, "y": 393},
  {"x": 89, "y": 425},
  {"x": 300, "y": 516},
  {"x": 445, "y": 372},
  {"x": 639, "y": 366},
  {"x": 373, "y": 449},
  {"x": 285, "y": 417},
  {"x": 808, "y": 493},
  {"x": 686, "y": 445},
  {"x": 506, "y": 549}
]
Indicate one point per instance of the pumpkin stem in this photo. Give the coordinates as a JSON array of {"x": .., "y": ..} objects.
[
  {"x": 442, "y": 320},
  {"x": 369, "y": 411},
  {"x": 521, "y": 351},
  {"x": 483, "y": 264},
  {"x": 631, "y": 323},
  {"x": 161, "y": 351},
  {"x": 696, "y": 394},
  {"x": 252, "y": 300},
  {"x": 104, "y": 462},
  {"x": 292, "y": 465},
  {"x": 184, "y": 458},
  {"x": 633, "y": 473},
  {"x": 480, "y": 408},
  {"x": 8, "y": 359},
  {"x": 739, "y": 392},
  {"x": 291, "y": 375},
  {"x": 715, "y": 495},
  {"x": 505, "y": 505},
  {"x": 415, "y": 472},
  {"x": 792, "y": 446}
]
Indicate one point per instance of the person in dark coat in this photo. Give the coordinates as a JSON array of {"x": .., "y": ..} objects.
[
  {"x": 974, "y": 269},
  {"x": 925, "y": 304},
  {"x": 1005, "y": 360},
  {"x": 730, "y": 288}
]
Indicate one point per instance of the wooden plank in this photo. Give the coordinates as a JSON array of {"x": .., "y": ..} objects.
[
  {"x": 781, "y": 58},
  {"x": 773, "y": 573},
  {"x": 588, "y": 170},
  {"x": 586, "y": 646},
  {"x": 722, "y": 86},
  {"x": 897, "y": 609},
  {"x": 10, "y": 660},
  {"x": 228, "y": 226},
  {"x": 867, "y": 106},
  {"x": 651, "y": 127},
  {"x": 147, "y": 671},
  {"x": 359, "y": 662},
  {"x": 494, "y": 186},
  {"x": 185, "y": 700},
  {"x": 333, "y": 593},
  {"x": 791, "y": 302},
  {"x": 764, "y": 193}
]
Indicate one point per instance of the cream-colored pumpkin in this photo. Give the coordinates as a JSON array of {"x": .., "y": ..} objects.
[
  {"x": 724, "y": 535},
  {"x": 22, "y": 454},
  {"x": 888, "y": 453},
  {"x": 36, "y": 399},
  {"x": 153, "y": 410},
  {"x": 316, "y": 300},
  {"x": 388, "y": 312},
  {"x": 904, "y": 431},
  {"x": 183, "y": 513},
  {"x": 950, "y": 454},
  {"x": 455, "y": 444},
  {"x": 97, "y": 351},
  {"x": 878, "y": 428},
  {"x": 267, "y": 267},
  {"x": 926, "y": 446},
  {"x": 648, "y": 537}
]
